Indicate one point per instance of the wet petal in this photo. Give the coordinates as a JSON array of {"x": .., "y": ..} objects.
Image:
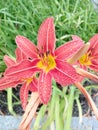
[
  {"x": 24, "y": 95},
  {"x": 94, "y": 44},
  {"x": 24, "y": 69},
  {"x": 79, "y": 54},
  {"x": 94, "y": 67},
  {"x": 44, "y": 87},
  {"x": 26, "y": 46},
  {"x": 64, "y": 73},
  {"x": 75, "y": 37},
  {"x": 9, "y": 61},
  {"x": 68, "y": 49},
  {"x": 6, "y": 83},
  {"x": 94, "y": 61},
  {"x": 94, "y": 41},
  {"x": 19, "y": 55},
  {"x": 46, "y": 36}
]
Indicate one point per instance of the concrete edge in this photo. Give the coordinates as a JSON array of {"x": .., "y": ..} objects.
[{"x": 12, "y": 123}]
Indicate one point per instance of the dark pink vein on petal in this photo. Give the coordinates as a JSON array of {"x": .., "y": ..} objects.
[
  {"x": 68, "y": 49},
  {"x": 26, "y": 46},
  {"x": 93, "y": 41},
  {"x": 44, "y": 87},
  {"x": 46, "y": 36},
  {"x": 9, "y": 61},
  {"x": 24, "y": 95},
  {"x": 19, "y": 55},
  {"x": 64, "y": 73},
  {"x": 25, "y": 69},
  {"x": 6, "y": 83}
]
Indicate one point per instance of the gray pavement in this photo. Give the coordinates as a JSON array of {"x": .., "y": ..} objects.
[{"x": 12, "y": 123}]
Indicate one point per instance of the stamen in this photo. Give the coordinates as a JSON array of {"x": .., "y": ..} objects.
[
  {"x": 42, "y": 48},
  {"x": 47, "y": 62},
  {"x": 37, "y": 50},
  {"x": 48, "y": 52}
]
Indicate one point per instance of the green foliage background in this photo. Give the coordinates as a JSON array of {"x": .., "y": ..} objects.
[{"x": 23, "y": 17}]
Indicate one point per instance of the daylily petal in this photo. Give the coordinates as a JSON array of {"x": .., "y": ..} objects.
[
  {"x": 68, "y": 49},
  {"x": 26, "y": 46},
  {"x": 94, "y": 67},
  {"x": 79, "y": 54},
  {"x": 64, "y": 73},
  {"x": 9, "y": 61},
  {"x": 89, "y": 99},
  {"x": 6, "y": 83},
  {"x": 44, "y": 87},
  {"x": 75, "y": 37},
  {"x": 94, "y": 44},
  {"x": 33, "y": 85},
  {"x": 24, "y": 94},
  {"x": 94, "y": 61},
  {"x": 24, "y": 69},
  {"x": 19, "y": 55},
  {"x": 46, "y": 36},
  {"x": 87, "y": 74},
  {"x": 30, "y": 111}
]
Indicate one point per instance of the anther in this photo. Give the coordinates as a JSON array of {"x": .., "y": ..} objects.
[
  {"x": 37, "y": 50},
  {"x": 48, "y": 52}
]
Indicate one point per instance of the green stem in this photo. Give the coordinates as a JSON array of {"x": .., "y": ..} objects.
[
  {"x": 9, "y": 100},
  {"x": 65, "y": 107},
  {"x": 70, "y": 109},
  {"x": 40, "y": 115},
  {"x": 58, "y": 113},
  {"x": 47, "y": 122},
  {"x": 80, "y": 109},
  {"x": 57, "y": 110}
]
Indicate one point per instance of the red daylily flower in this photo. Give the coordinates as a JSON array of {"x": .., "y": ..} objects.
[
  {"x": 28, "y": 84},
  {"x": 46, "y": 60},
  {"x": 82, "y": 74},
  {"x": 90, "y": 58},
  {"x": 84, "y": 62},
  {"x": 87, "y": 58}
]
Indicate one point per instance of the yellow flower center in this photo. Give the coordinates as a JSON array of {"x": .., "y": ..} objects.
[
  {"x": 86, "y": 59},
  {"x": 47, "y": 62}
]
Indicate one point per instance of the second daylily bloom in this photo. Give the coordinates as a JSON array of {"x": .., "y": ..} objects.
[
  {"x": 46, "y": 60},
  {"x": 90, "y": 58},
  {"x": 28, "y": 84},
  {"x": 86, "y": 58}
]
